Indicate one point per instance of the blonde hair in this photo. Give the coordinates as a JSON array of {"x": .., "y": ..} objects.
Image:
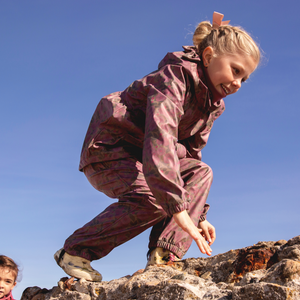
[{"x": 225, "y": 40}]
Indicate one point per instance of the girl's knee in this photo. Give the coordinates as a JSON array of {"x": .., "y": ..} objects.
[{"x": 208, "y": 170}]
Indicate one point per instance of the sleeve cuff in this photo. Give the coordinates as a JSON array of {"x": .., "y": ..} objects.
[
  {"x": 204, "y": 212},
  {"x": 178, "y": 208}
]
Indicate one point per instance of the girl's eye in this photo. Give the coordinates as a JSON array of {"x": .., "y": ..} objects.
[{"x": 236, "y": 71}]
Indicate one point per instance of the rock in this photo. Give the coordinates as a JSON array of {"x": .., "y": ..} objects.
[
  {"x": 284, "y": 272},
  {"x": 264, "y": 271},
  {"x": 265, "y": 291}
]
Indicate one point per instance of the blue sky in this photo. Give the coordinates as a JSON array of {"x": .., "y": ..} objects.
[{"x": 59, "y": 57}]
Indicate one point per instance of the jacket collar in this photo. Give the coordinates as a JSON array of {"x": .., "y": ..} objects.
[
  {"x": 214, "y": 99},
  {"x": 8, "y": 297}
]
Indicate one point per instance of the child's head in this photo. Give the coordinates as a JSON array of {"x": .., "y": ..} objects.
[
  {"x": 229, "y": 56},
  {"x": 8, "y": 275},
  {"x": 225, "y": 39}
]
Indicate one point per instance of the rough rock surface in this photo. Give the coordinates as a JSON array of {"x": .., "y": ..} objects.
[{"x": 267, "y": 270}]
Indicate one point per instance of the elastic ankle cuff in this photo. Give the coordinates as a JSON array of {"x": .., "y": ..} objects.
[{"x": 174, "y": 249}]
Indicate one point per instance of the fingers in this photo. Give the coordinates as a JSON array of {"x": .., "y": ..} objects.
[
  {"x": 208, "y": 231},
  {"x": 206, "y": 235},
  {"x": 212, "y": 235},
  {"x": 185, "y": 222},
  {"x": 203, "y": 246}
]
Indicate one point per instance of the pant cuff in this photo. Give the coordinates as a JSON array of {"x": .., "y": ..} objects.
[{"x": 173, "y": 248}]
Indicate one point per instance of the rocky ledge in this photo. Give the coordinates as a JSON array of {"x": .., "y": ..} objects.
[{"x": 267, "y": 270}]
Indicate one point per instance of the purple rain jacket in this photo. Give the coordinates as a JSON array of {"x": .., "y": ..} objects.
[{"x": 168, "y": 115}]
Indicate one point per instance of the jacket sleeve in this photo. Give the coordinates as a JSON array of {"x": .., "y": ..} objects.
[{"x": 166, "y": 96}]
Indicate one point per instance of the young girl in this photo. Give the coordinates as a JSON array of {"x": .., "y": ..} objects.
[
  {"x": 8, "y": 276},
  {"x": 143, "y": 146}
]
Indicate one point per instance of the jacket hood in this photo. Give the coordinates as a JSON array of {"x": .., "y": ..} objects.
[{"x": 199, "y": 75}]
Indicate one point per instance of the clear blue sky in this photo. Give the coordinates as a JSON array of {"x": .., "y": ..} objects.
[{"x": 59, "y": 57}]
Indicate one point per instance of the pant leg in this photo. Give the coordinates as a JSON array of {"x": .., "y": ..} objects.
[
  {"x": 135, "y": 211},
  {"x": 197, "y": 177}
]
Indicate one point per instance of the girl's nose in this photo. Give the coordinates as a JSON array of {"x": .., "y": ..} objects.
[{"x": 237, "y": 83}]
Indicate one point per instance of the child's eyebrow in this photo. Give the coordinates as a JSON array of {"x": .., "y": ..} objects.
[{"x": 239, "y": 66}]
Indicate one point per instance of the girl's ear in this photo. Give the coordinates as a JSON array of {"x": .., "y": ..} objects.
[{"x": 207, "y": 55}]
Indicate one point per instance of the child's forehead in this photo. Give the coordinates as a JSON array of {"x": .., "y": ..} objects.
[{"x": 7, "y": 272}]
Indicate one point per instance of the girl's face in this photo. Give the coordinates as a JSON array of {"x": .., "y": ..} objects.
[
  {"x": 227, "y": 71},
  {"x": 7, "y": 281}
]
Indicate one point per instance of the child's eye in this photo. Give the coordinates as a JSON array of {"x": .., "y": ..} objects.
[{"x": 236, "y": 71}]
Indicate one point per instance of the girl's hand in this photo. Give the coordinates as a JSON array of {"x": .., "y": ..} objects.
[
  {"x": 207, "y": 231},
  {"x": 184, "y": 221}
]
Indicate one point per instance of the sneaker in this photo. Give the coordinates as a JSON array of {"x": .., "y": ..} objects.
[
  {"x": 76, "y": 266},
  {"x": 161, "y": 256}
]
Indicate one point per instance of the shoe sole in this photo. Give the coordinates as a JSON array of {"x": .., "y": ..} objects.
[{"x": 75, "y": 271}]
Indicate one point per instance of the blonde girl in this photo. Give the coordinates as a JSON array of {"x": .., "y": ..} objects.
[{"x": 143, "y": 147}]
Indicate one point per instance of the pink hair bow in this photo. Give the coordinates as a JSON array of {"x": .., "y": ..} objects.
[{"x": 217, "y": 20}]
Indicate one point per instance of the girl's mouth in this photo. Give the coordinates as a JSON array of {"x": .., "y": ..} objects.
[{"x": 225, "y": 89}]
